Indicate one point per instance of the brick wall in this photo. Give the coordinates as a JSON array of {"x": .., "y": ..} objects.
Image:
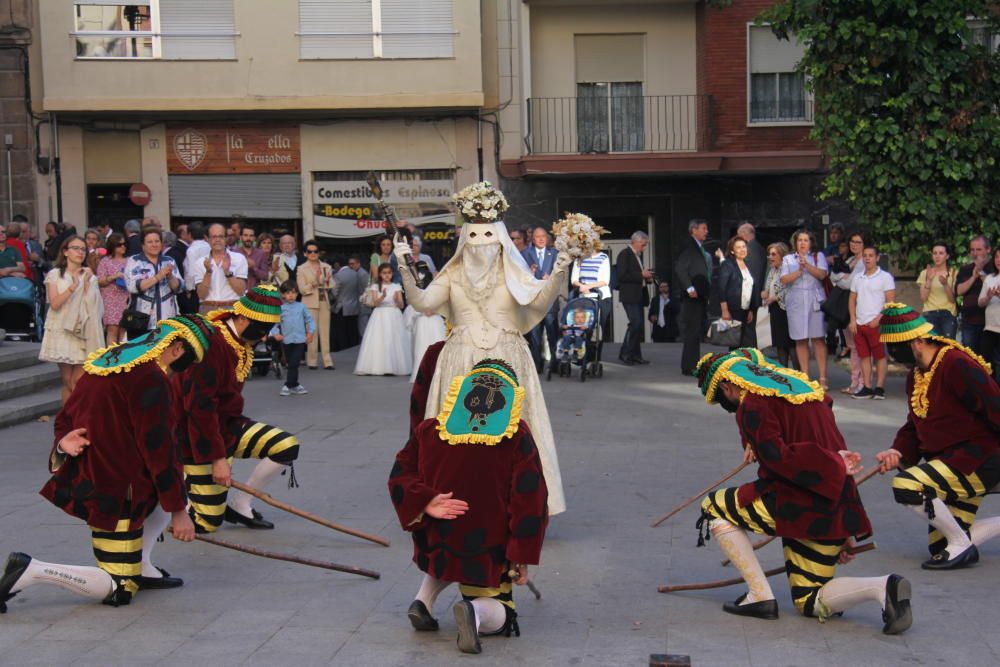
[
  {"x": 14, "y": 117},
  {"x": 722, "y": 73}
]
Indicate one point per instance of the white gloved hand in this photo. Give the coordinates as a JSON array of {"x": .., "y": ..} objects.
[{"x": 401, "y": 249}]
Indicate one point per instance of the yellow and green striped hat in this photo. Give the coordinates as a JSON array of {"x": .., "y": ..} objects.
[
  {"x": 262, "y": 303},
  {"x": 900, "y": 323},
  {"x": 123, "y": 357}
]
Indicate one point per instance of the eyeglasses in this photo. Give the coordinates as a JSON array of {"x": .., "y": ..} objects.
[
  {"x": 77, "y": 247},
  {"x": 312, "y": 252}
]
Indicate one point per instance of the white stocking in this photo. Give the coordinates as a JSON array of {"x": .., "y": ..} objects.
[
  {"x": 958, "y": 541},
  {"x": 93, "y": 582},
  {"x": 736, "y": 545},
  {"x": 430, "y": 588},
  {"x": 262, "y": 475},
  {"x": 845, "y": 592},
  {"x": 490, "y": 614},
  {"x": 984, "y": 530},
  {"x": 154, "y": 525}
]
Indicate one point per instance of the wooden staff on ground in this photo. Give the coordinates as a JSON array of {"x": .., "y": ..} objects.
[
  {"x": 287, "y": 557},
  {"x": 267, "y": 498},
  {"x": 767, "y": 540},
  {"x": 704, "y": 492},
  {"x": 737, "y": 580}
]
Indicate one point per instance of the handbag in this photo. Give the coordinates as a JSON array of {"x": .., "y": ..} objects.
[
  {"x": 134, "y": 322},
  {"x": 836, "y": 307},
  {"x": 725, "y": 334}
]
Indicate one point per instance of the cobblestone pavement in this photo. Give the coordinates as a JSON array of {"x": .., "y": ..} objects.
[{"x": 632, "y": 445}]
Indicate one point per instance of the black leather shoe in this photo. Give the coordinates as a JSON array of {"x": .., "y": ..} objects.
[
  {"x": 765, "y": 609},
  {"x": 943, "y": 561},
  {"x": 17, "y": 563},
  {"x": 627, "y": 362},
  {"x": 468, "y": 634},
  {"x": 420, "y": 617},
  {"x": 156, "y": 583},
  {"x": 641, "y": 361},
  {"x": 896, "y": 615},
  {"x": 257, "y": 521}
]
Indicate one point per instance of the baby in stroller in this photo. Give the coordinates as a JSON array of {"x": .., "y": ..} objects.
[{"x": 573, "y": 344}]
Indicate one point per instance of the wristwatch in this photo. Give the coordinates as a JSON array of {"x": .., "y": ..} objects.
[{"x": 229, "y": 275}]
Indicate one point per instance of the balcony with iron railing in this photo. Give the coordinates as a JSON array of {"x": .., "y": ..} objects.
[{"x": 619, "y": 124}]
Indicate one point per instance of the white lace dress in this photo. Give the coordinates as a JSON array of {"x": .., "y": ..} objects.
[
  {"x": 385, "y": 347},
  {"x": 425, "y": 331}
]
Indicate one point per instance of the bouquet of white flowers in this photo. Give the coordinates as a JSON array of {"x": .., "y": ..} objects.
[
  {"x": 480, "y": 202},
  {"x": 577, "y": 235}
]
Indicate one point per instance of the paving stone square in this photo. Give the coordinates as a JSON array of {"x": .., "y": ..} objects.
[{"x": 631, "y": 445}]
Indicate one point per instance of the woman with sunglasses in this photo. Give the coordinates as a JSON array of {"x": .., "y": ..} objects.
[
  {"x": 114, "y": 294},
  {"x": 315, "y": 282},
  {"x": 73, "y": 323}
]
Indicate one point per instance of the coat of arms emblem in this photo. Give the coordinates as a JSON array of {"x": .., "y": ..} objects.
[{"x": 190, "y": 147}]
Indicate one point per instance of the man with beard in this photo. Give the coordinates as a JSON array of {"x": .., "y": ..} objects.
[
  {"x": 115, "y": 466},
  {"x": 469, "y": 486},
  {"x": 804, "y": 493},
  {"x": 211, "y": 428},
  {"x": 491, "y": 299},
  {"x": 953, "y": 426}
]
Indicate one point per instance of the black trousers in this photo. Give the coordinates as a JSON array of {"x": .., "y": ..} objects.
[
  {"x": 748, "y": 330},
  {"x": 345, "y": 331},
  {"x": 549, "y": 328},
  {"x": 633, "y": 334},
  {"x": 294, "y": 354},
  {"x": 692, "y": 321}
]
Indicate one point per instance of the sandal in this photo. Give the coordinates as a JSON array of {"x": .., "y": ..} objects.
[{"x": 823, "y": 383}]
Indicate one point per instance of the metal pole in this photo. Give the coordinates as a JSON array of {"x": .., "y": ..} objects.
[
  {"x": 57, "y": 168},
  {"x": 10, "y": 186}
]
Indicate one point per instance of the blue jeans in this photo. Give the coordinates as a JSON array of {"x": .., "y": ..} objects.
[
  {"x": 945, "y": 324},
  {"x": 971, "y": 333}
]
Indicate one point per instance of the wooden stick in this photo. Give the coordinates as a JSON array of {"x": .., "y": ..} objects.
[
  {"x": 530, "y": 584},
  {"x": 269, "y": 499},
  {"x": 701, "y": 493},
  {"x": 287, "y": 557},
  {"x": 737, "y": 580},
  {"x": 767, "y": 540}
]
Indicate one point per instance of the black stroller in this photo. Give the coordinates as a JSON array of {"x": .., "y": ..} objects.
[
  {"x": 590, "y": 361},
  {"x": 268, "y": 358},
  {"x": 21, "y": 309}
]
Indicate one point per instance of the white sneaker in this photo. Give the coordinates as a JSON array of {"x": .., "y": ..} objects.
[
  {"x": 298, "y": 390},
  {"x": 285, "y": 391}
]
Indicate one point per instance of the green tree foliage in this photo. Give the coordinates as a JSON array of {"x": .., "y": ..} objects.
[{"x": 906, "y": 113}]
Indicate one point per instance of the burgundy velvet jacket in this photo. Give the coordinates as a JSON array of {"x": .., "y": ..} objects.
[
  {"x": 209, "y": 404},
  {"x": 132, "y": 452},
  {"x": 507, "y": 496},
  {"x": 422, "y": 384},
  {"x": 962, "y": 426},
  {"x": 796, "y": 447}
]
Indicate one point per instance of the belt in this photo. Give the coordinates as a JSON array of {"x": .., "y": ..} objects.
[{"x": 222, "y": 304}]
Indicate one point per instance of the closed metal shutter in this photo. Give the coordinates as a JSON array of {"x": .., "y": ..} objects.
[
  {"x": 247, "y": 195},
  {"x": 198, "y": 29}
]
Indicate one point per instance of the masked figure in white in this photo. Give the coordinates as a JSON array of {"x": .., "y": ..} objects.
[{"x": 491, "y": 300}]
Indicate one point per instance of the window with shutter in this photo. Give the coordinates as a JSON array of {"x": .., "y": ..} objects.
[
  {"x": 114, "y": 29},
  {"x": 345, "y": 29},
  {"x": 777, "y": 93},
  {"x": 198, "y": 29}
]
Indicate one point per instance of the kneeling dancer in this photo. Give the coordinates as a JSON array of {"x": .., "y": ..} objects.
[
  {"x": 469, "y": 486},
  {"x": 804, "y": 493},
  {"x": 211, "y": 428},
  {"x": 953, "y": 426},
  {"x": 114, "y": 462}
]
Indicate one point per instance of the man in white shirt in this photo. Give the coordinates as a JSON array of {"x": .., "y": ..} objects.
[
  {"x": 871, "y": 289},
  {"x": 220, "y": 278},
  {"x": 198, "y": 249}
]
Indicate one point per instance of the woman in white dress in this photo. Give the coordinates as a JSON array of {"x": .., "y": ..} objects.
[
  {"x": 385, "y": 347},
  {"x": 73, "y": 325},
  {"x": 426, "y": 327}
]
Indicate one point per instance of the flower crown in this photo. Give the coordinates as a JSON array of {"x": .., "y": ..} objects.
[
  {"x": 578, "y": 235},
  {"x": 480, "y": 203}
]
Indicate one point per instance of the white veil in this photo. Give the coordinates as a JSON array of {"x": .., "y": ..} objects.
[{"x": 520, "y": 281}]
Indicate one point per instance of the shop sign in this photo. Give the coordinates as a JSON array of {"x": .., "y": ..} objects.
[
  {"x": 210, "y": 149},
  {"x": 347, "y": 209}
]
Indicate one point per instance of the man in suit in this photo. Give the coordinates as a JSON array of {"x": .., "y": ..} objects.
[
  {"x": 693, "y": 269},
  {"x": 285, "y": 265},
  {"x": 633, "y": 277},
  {"x": 541, "y": 259},
  {"x": 349, "y": 284},
  {"x": 133, "y": 242},
  {"x": 661, "y": 314},
  {"x": 756, "y": 255}
]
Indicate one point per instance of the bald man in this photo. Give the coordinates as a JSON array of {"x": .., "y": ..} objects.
[{"x": 286, "y": 263}]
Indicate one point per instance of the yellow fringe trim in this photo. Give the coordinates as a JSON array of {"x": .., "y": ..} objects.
[
  {"x": 919, "y": 401},
  {"x": 478, "y": 438},
  {"x": 243, "y": 351},
  {"x": 149, "y": 355},
  {"x": 904, "y": 336},
  {"x": 723, "y": 374}
]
